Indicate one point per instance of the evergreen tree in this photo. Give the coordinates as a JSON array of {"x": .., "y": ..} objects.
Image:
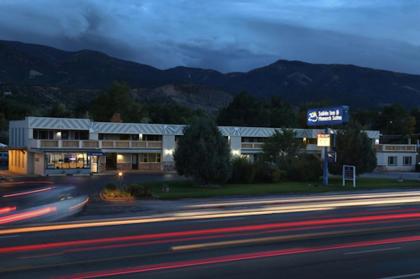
[
  {"x": 353, "y": 147},
  {"x": 203, "y": 153}
]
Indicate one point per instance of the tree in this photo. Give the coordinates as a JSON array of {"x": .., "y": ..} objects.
[
  {"x": 395, "y": 120},
  {"x": 281, "y": 114},
  {"x": 281, "y": 147},
  {"x": 59, "y": 110},
  {"x": 117, "y": 100},
  {"x": 203, "y": 153},
  {"x": 353, "y": 147},
  {"x": 244, "y": 110}
]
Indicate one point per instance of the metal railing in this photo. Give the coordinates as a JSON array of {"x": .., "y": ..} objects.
[
  {"x": 396, "y": 148},
  {"x": 96, "y": 144}
]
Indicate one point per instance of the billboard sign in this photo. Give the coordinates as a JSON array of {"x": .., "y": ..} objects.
[
  {"x": 323, "y": 140},
  {"x": 328, "y": 116}
]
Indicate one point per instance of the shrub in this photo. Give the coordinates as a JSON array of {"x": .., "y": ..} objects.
[
  {"x": 279, "y": 175},
  {"x": 304, "y": 168},
  {"x": 264, "y": 171},
  {"x": 243, "y": 171},
  {"x": 139, "y": 191},
  {"x": 110, "y": 187}
]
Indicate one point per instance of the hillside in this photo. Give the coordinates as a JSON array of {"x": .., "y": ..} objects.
[{"x": 27, "y": 65}]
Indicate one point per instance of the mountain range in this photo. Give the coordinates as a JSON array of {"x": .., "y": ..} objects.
[{"x": 36, "y": 66}]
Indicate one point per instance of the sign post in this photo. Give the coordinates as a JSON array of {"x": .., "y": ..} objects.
[
  {"x": 349, "y": 173},
  {"x": 326, "y": 117}
]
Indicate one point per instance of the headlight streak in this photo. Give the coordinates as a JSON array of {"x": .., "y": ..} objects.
[
  {"x": 241, "y": 257},
  {"x": 18, "y": 194},
  {"x": 225, "y": 230}
]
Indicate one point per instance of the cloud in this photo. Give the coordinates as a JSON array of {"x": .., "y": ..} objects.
[{"x": 227, "y": 35}]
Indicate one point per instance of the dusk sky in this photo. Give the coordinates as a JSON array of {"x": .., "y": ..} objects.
[{"x": 226, "y": 35}]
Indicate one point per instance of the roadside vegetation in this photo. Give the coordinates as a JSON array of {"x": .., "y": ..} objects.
[{"x": 188, "y": 189}]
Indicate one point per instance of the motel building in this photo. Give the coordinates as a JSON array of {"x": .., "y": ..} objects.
[{"x": 67, "y": 146}]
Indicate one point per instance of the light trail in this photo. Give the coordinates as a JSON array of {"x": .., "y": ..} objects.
[
  {"x": 7, "y": 209},
  {"x": 26, "y": 215},
  {"x": 240, "y": 257},
  {"x": 27, "y": 192},
  {"x": 220, "y": 231},
  {"x": 329, "y": 197},
  {"x": 196, "y": 215},
  {"x": 79, "y": 205}
]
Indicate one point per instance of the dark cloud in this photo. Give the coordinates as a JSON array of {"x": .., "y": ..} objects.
[{"x": 227, "y": 35}]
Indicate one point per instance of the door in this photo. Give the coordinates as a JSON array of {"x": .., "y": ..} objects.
[
  {"x": 135, "y": 161},
  {"x": 111, "y": 161}
]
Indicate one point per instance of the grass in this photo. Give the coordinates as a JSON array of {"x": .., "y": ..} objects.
[{"x": 187, "y": 189}]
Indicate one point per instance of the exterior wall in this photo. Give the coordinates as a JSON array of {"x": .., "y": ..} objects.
[
  {"x": 168, "y": 149},
  {"x": 21, "y": 137},
  {"x": 18, "y": 161},
  {"x": 235, "y": 145},
  {"x": 124, "y": 161},
  {"x": 382, "y": 160},
  {"x": 39, "y": 164}
]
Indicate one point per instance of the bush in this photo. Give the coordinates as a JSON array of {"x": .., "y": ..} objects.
[
  {"x": 279, "y": 175},
  {"x": 243, "y": 171},
  {"x": 304, "y": 168},
  {"x": 112, "y": 192},
  {"x": 139, "y": 191},
  {"x": 110, "y": 188},
  {"x": 264, "y": 171}
]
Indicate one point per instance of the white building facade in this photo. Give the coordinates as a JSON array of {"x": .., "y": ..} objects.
[
  {"x": 60, "y": 146},
  {"x": 396, "y": 157}
]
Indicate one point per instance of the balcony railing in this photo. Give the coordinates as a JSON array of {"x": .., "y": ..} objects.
[
  {"x": 252, "y": 145},
  {"x": 396, "y": 148},
  {"x": 95, "y": 144}
]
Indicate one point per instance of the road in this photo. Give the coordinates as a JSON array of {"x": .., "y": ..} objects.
[
  {"x": 86, "y": 184},
  {"x": 340, "y": 241}
]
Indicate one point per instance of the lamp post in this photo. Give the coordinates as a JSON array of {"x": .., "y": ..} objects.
[{"x": 120, "y": 177}]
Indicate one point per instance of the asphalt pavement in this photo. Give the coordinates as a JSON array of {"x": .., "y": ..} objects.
[{"x": 364, "y": 241}]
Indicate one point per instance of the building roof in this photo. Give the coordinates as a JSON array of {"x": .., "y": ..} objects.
[{"x": 155, "y": 129}]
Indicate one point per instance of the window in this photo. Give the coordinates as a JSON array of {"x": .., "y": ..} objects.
[
  {"x": 43, "y": 134},
  {"x": 149, "y": 157},
  {"x": 392, "y": 160},
  {"x": 407, "y": 161},
  {"x": 252, "y": 139},
  {"x": 152, "y": 137},
  {"x": 57, "y": 160}
]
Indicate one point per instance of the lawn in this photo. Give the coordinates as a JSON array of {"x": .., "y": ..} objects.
[{"x": 187, "y": 189}]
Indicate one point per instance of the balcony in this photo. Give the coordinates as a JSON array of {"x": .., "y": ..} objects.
[
  {"x": 129, "y": 144},
  {"x": 92, "y": 144},
  {"x": 252, "y": 145},
  {"x": 396, "y": 148}
]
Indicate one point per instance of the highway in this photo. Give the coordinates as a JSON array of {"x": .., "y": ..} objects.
[{"x": 347, "y": 240}]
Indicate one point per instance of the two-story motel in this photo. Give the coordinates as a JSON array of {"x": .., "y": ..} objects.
[{"x": 53, "y": 146}]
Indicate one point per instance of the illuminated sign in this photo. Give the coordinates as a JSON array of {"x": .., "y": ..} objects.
[
  {"x": 323, "y": 140},
  {"x": 328, "y": 116}
]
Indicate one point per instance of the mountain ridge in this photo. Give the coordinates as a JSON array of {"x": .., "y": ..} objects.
[{"x": 294, "y": 81}]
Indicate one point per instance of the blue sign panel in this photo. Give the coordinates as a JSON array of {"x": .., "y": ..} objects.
[
  {"x": 96, "y": 154},
  {"x": 328, "y": 116}
]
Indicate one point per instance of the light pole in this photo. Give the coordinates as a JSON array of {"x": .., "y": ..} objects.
[{"x": 120, "y": 177}]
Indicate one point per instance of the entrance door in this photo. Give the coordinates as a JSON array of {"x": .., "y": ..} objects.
[
  {"x": 94, "y": 164},
  {"x": 111, "y": 161},
  {"x": 135, "y": 161}
]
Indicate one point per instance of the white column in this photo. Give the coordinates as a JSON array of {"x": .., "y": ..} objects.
[
  {"x": 235, "y": 145},
  {"x": 168, "y": 149}
]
